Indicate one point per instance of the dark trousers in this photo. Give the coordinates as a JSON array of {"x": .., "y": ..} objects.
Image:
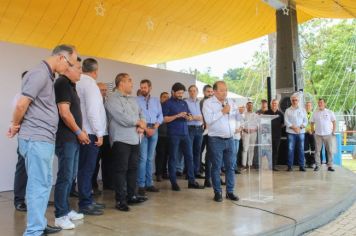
[
  {"x": 239, "y": 154},
  {"x": 275, "y": 149},
  {"x": 196, "y": 138},
  {"x": 309, "y": 149},
  {"x": 87, "y": 162},
  {"x": 20, "y": 180},
  {"x": 106, "y": 165},
  {"x": 175, "y": 142},
  {"x": 125, "y": 162},
  {"x": 207, "y": 158},
  {"x": 162, "y": 153}
]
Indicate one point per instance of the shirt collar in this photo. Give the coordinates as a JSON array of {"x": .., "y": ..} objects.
[
  {"x": 70, "y": 82},
  {"x": 50, "y": 72}
]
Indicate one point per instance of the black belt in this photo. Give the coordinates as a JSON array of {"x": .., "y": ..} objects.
[
  {"x": 220, "y": 137},
  {"x": 195, "y": 126},
  {"x": 150, "y": 125}
]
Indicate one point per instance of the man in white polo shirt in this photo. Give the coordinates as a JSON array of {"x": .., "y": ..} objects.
[{"x": 323, "y": 123}]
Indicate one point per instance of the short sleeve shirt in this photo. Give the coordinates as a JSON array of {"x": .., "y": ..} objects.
[
  {"x": 323, "y": 121},
  {"x": 66, "y": 93},
  {"x": 41, "y": 119}
]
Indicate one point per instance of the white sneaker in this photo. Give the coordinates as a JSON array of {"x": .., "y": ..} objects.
[
  {"x": 64, "y": 222},
  {"x": 73, "y": 215}
]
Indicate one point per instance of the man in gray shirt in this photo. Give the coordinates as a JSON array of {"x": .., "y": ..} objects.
[
  {"x": 126, "y": 127},
  {"x": 36, "y": 119}
]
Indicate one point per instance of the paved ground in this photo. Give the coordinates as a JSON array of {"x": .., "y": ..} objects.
[{"x": 344, "y": 225}]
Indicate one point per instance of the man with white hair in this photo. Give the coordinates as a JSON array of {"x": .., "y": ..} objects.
[{"x": 295, "y": 119}]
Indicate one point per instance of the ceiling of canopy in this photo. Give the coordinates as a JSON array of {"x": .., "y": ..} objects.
[{"x": 149, "y": 31}]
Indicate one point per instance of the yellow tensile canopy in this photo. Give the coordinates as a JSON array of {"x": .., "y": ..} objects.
[{"x": 149, "y": 31}]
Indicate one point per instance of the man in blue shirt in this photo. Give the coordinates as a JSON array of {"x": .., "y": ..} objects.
[
  {"x": 195, "y": 127},
  {"x": 176, "y": 114},
  {"x": 152, "y": 111}
]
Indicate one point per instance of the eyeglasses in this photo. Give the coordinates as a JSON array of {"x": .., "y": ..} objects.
[{"x": 70, "y": 64}]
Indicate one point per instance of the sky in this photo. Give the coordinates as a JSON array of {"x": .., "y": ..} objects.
[{"x": 221, "y": 60}]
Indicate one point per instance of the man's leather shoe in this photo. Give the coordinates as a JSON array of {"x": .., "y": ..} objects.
[
  {"x": 274, "y": 169},
  {"x": 136, "y": 200},
  {"x": 218, "y": 197},
  {"x": 237, "y": 172},
  {"x": 316, "y": 168},
  {"x": 302, "y": 169},
  {"x": 21, "y": 207},
  {"x": 232, "y": 197},
  {"x": 179, "y": 174},
  {"x": 289, "y": 169},
  {"x": 199, "y": 176},
  {"x": 175, "y": 187},
  {"x": 91, "y": 210},
  {"x": 331, "y": 169},
  {"x": 195, "y": 185},
  {"x": 207, "y": 184},
  {"x": 51, "y": 230},
  {"x": 122, "y": 206},
  {"x": 141, "y": 191},
  {"x": 152, "y": 189},
  {"x": 74, "y": 194},
  {"x": 99, "y": 206}
]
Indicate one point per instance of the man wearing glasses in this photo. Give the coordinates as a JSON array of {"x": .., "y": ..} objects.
[
  {"x": 152, "y": 111},
  {"x": 36, "y": 120},
  {"x": 295, "y": 120}
]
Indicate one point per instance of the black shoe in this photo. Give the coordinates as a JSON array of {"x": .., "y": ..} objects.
[
  {"x": 91, "y": 210},
  {"x": 175, "y": 187},
  {"x": 218, "y": 197},
  {"x": 179, "y": 174},
  {"x": 195, "y": 185},
  {"x": 232, "y": 197},
  {"x": 207, "y": 184},
  {"x": 316, "y": 168},
  {"x": 237, "y": 172},
  {"x": 21, "y": 207},
  {"x": 136, "y": 199},
  {"x": 98, "y": 206},
  {"x": 199, "y": 176},
  {"x": 159, "y": 178},
  {"x": 302, "y": 169},
  {"x": 152, "y": 189},
  {"x": 74, "y": 194},
  {"x": 222, "y": 182},
  {"x": 122, "y": 206},
  {"x": 289, "y": 169},
  {"x": 51, "y": 230},
  {"x": 96, "y": 192},
  {"x": 274, "y": 169},
  {"x": 331, "y": 169},
  {"x": 141, "y": 191},
  {"x": 165, "y": 176}
]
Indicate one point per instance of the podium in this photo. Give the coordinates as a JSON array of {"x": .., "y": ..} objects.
[{"x": 260, "y": 178}]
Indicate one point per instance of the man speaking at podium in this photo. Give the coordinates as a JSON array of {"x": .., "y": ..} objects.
[{"x": 220, "y": 116}]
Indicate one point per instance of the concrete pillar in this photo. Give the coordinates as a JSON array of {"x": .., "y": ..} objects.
[{"x": 287, "y": 53}]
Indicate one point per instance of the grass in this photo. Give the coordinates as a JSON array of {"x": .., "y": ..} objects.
[{"x": 349, "y": 164}]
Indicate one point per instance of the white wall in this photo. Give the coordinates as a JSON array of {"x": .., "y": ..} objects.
[{"x": 14, "y": 59}]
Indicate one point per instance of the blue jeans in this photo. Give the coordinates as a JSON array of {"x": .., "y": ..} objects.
[
  {"x": 196, "y": 137},
  {"x": 175, "y": 142},
  {"x": 295, "y": 141},
  {"x": 38, "y": 157},
  {"x": 147, "y": 151},
  {"x": 68, "y": 155},
  {"x": 180, "y": 161},
  {"x": 222, "y": 150},
  {"x": 236, "y": 150},
  {"x": 86, "y": 167}
]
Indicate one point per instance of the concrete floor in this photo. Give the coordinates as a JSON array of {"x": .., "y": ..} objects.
[{"x": 303, "y": 196}]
